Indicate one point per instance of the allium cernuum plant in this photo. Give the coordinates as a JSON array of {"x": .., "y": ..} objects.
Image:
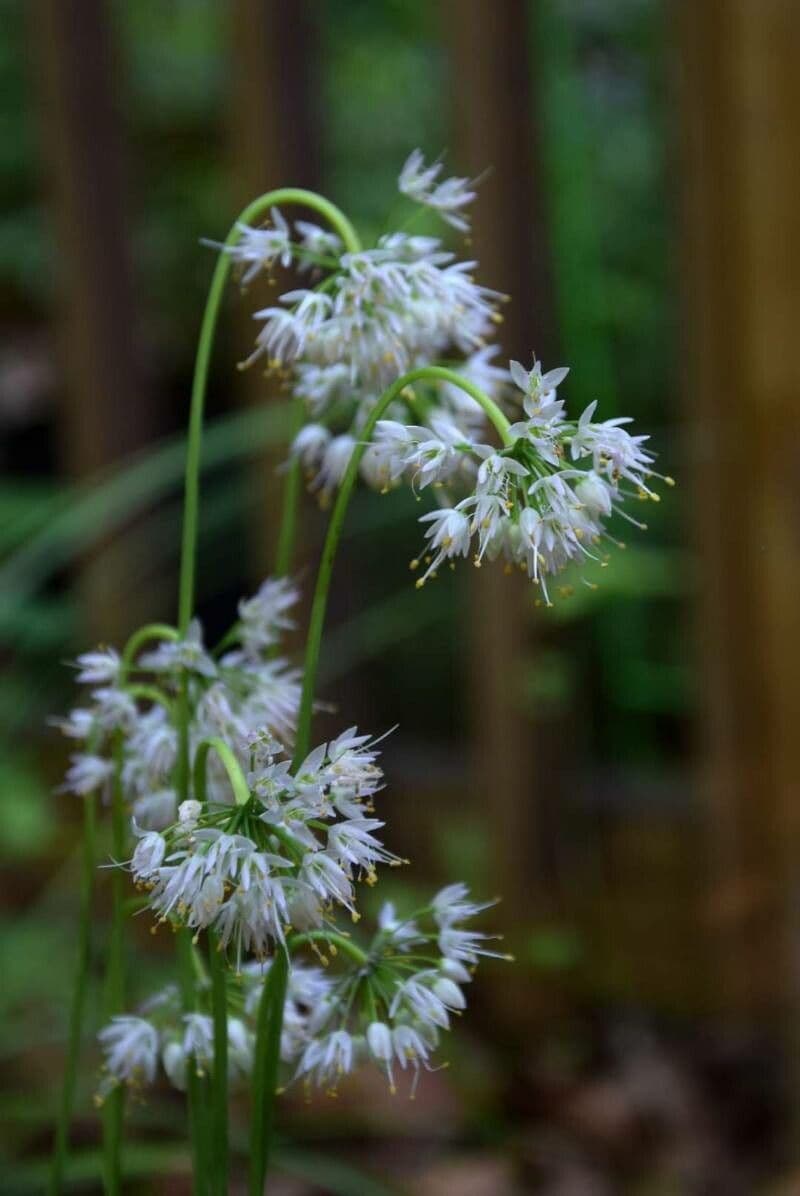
[{"x": 229, "y": 825}]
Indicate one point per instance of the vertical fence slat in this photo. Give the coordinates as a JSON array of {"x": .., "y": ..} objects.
[
  {"x": 741, "y": 92},
  {"x": 489, "y": 49},
  {"x": 106, "y": 412},
  {"x": 275, "y": 142}
]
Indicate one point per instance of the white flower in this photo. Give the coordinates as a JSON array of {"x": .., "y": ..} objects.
[
  {"x": 403, "y": 934},
  {"x": 87, "y": 773},
  {"x": 381, "y": 1047},
  {"x": 173, "y": 1058},
  {"x": 465, "y": 946},
  {"x": 351, "y": 842},
  {"x": 449, "y": 534},
  {"x": 412, "y": 1049},
  {"x": 452, "y": 904},
  {"x": 78, "y": 724},
  {"x": 148, "y": 855},
  {"x": 449, "y": 993},
  {"x": 416, "y": 996},
  {"x": 334, "y": 464},
  {"x": 130, "y": 1047},
  {"x": 198, "y": 1039},
  {"x": 259, "y": 248},
  {"x": 99, "y": 668},
  {"x": 187, "y": 653},
  {"x": 240, "y": 1049},
  {"x": 453, "y": 970},
  {"x": 188, "y": 813},
  {"x": 419, "y": 182},
  {"x": 265, "y": 616},
  {"x": 539, "y": 389},
  {"x": 318, "y": 241},
  {"x": 595, "y": 494},
  {"x": 327, "y": 879},
  {"x": 309, "y": 445},
  {"x": 155, "y": 811},
  {"x": 329, "y": 1058},
  {"x": 351, "y": 772},
  {"x": 151, "y": 751},
  {"x": 114, "y": 708}
]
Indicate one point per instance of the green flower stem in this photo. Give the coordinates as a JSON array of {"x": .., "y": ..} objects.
[
  {"x": 251, "y": 215},
  {"x": 219, "y": 1080},
  {"x": 151, "y": 693},
  {"x": 331, "y": 939},
  {"x": 78, "y": 1006},
  {"x": 291, "y": 502},
  {"x": 194, "y": 1086},
  {"x": 429, "y": 373},
  {"x": 231, "y": 765},
  {"x": 265, "y": 1069},
  {"x": 115, "y": 977},
  {"x": 151, "y": 631}
]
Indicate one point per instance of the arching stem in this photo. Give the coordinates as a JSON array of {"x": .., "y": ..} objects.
[
  {"x": 251, "y": 214},
  {"x": 78, "y": 1006},
  {"x": 266, "y": 1062},
  {"x": 229, "y": 762},
  {"x": 316, "y": 622}
]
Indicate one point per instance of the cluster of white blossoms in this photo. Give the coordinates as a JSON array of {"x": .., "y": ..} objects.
[
  {"x": 392, "y": 1007},
  {"x": 163, "y": 1034},
  {"x": 281, "y": 861},
  {"x": 541, "y": 501},
  {"x": 262, "y": 865},
  {"x": 232, "y": 694},
  {"x": 387, "y": 1004},
  {"x": 368, "y": 318}
]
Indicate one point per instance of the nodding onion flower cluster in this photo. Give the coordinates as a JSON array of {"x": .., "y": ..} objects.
[
  {"x": 234, "y": 694},
  {"x": 388, "y": 1005},
  {"x": 542, "y": 501},
  {"x": 257, "y": 868},
  {"x": 368, "y": 317},
  {"x": 281, "y": 861}
]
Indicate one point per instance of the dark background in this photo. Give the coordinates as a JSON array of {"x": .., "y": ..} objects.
[{"x": 623, "y": 769}]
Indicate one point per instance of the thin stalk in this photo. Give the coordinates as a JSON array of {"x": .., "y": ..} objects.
[
  {"x": 77, "y": 1009},
  {"x": 229, "y": 762},
  {"x": 115, "y": 978},
  {"x": 193, "y": 1082},
  {"x": 219, "y": 1079},
  {"x": 291, "y": 501},
  {"x": 151, "y": 631},
  {"x": 251, "y": 214},
  {"x": 265, "y": 1069},
  {"x": 329, "y": 937},
  {"x": 425, "y": 374}
]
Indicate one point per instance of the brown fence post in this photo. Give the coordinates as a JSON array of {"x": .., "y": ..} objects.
[
  {"x": 275, "y": 142},
  {"x": 741, "y": 95},
  {"x": 106, "y": 412},
  {"x": 489, "y": 47}
]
